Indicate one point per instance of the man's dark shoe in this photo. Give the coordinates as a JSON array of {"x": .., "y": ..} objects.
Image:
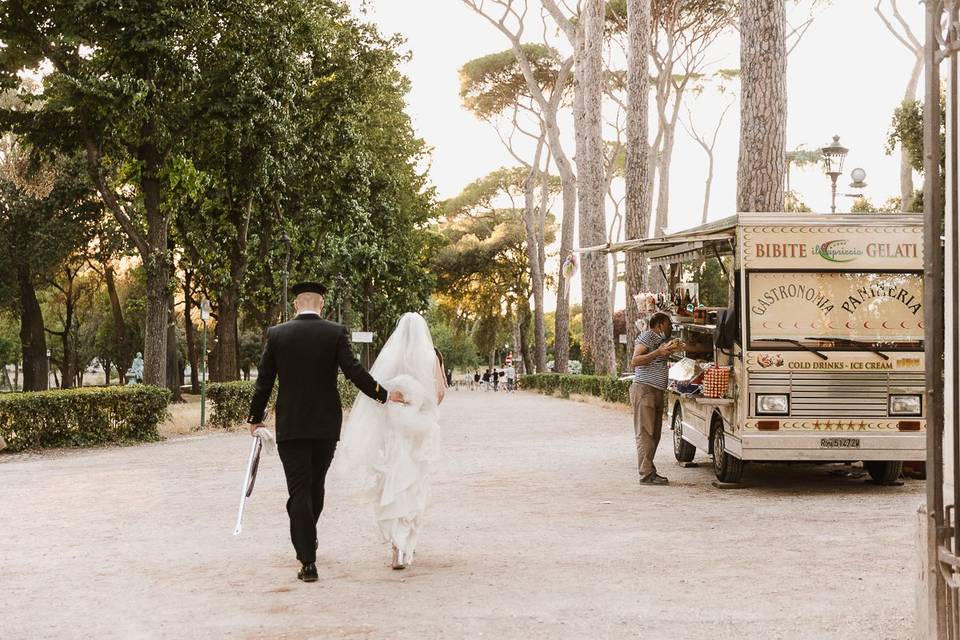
[
  {"x": 308, "y": 573},
  {"x": 654, "y": 479}
]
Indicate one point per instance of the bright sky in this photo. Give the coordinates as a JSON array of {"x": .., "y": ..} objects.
[{"x": 845, "y": 77}]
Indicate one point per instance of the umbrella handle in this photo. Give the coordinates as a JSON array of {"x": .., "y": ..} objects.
[{"x": 246, "y": 483}]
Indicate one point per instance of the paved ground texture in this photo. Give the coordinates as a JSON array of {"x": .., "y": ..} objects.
[{"x": 538, "y": 530}]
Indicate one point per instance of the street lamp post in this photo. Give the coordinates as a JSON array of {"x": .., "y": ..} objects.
[
  {"x": 48, "y": 369},
  {"x": 204, "y": 316},
  {"x": 833, "y": 156}
]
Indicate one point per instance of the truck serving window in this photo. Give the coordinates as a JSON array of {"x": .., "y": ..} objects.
[{"x": 831, "y": 308}]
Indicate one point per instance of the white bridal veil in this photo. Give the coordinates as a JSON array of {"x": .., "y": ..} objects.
[{"x": 407, "y": 363}]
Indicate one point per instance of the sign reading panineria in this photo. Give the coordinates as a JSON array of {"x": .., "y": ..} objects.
[{"x": 857, "y": 305}]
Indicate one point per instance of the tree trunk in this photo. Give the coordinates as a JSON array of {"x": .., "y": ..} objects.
[
  {"x": 190, "y": 333},
  {"x": 763, "y": 106},
  {"x": 663, "y": 186},
  {"x": 120, "y": 346},
  {"x": 597, "y": 314},
  {"x": 157, "y": 265},
  {"x": 707, "y": 188},
  {"x": 906, "y": 170},
  {"x": 67, "y": 373},
  {"x": 530, "y": 225},
  {"x": 33, "y": 339},
  {"x": 525, "y": 362},
  {"x": 637, "y": 168},
  {"x": 173, "y": 368},
  {"x": 228, "y": 318},
  {"x": 226, "y": 355},
  {"x": 568, "y": 190}
]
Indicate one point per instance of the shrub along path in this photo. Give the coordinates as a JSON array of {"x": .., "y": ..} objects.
[{"x": 538, "y": 530}]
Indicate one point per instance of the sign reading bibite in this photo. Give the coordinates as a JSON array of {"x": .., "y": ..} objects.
[{"x": 830, "y": 248}]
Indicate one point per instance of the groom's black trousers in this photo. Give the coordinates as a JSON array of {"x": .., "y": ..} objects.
[{"x": 305, "y": 463}]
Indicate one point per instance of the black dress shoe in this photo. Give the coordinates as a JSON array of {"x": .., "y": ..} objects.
[
  {"x": 654, "y": 479},
  {"x": 308, "y": 573}
]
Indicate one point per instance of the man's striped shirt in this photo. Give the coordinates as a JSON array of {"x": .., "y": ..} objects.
[{"x": 653, "y": 374}]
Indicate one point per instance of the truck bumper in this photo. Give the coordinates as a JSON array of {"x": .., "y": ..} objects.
[{"x": 831, "y": 447}]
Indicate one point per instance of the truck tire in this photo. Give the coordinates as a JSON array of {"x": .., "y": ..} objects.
[
  {"x": 726, "y": 467},
  {"x": 884, "y": 472},
  {"x": 683, "y": 451}
]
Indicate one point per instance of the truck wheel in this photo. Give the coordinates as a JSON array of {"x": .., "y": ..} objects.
[
  {"x": 683, "y": 451},
  {"x": 725, "y": 466},
  {"x": 884, "y": 472}
]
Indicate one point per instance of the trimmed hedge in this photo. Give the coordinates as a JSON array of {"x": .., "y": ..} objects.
[
  {"x": 82, "y": 417},
  {"x": 231, "y": 400},
  {"x": 563, "y": 385}
]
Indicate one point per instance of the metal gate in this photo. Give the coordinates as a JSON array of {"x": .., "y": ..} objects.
[{"x": 942, "y": 297}]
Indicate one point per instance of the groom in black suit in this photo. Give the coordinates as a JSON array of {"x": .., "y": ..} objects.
[{"x": 305, "y": 354}]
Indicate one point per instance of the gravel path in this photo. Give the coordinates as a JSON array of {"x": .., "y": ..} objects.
[{"x": 538, "y": 530}]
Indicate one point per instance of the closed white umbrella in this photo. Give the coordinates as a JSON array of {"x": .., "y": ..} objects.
[{"x": 262, "y": 438}]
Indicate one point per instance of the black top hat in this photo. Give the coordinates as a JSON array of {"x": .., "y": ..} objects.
[{"x": 308, "y": 287}]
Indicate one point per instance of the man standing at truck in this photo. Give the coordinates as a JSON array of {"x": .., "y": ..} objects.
[{"x": 650, "y": 361}]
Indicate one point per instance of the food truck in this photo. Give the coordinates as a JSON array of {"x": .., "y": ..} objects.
[{"x": 818, "y": 354}]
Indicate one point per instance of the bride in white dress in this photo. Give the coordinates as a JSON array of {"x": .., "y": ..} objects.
[{"x": 395, "y": 444}]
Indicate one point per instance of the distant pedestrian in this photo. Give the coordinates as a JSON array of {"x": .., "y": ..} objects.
[
  {"x": 476, "y": 379},
  {"x": 487, "y": 381},
  {"x": 511, "y": 374},
  {"x": 496, "y": 379}
]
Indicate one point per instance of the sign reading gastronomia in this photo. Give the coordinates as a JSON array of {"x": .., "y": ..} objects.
[
  {"x": 833, "y": 247},
  {"x": 857, "y": 305}
]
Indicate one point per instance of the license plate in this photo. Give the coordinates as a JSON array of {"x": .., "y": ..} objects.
[{"x": 839, "y": 443}]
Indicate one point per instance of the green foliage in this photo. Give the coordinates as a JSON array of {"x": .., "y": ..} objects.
[
  {"x": 231, "y": 400},
  {"x": 801, "y": 157},
  {"x": 456, "y": 344},
  {"x": 9, "y": 340},
  {"x": 713, "y": 288},
  {"x": 492, "y": 84},
  {"x": 565, "y": 385},
  {"x": 864, "y": 205},
  {"x": 82, "y": 417},
  {"x": 483, "y": 270},
  {"x": 47, "y": 214},
  {"x": 906, "y": 131},
  {"x": 793, "y": 203}
]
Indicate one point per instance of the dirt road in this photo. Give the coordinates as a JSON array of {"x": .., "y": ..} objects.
[{"x": 538, "y": 530}]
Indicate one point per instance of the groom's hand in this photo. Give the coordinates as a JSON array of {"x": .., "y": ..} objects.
[
  {"x": 396, "y": 396},
  {"x": 254, "y": 427}
]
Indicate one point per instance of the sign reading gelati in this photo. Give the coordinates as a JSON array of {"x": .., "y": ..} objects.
[
  {"x": 833, "y": 247},
  {"x": 861, "y": 305}
]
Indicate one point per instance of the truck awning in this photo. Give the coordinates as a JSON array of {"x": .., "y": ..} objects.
[{"x": 719, "y": 233}]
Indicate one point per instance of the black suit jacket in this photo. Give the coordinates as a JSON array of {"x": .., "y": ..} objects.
[{"x": 305, "y": 354}]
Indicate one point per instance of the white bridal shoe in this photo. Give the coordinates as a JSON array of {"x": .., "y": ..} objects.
[
  {"x": 398, "y": 560},
  {"x": 401, "y": 560}
]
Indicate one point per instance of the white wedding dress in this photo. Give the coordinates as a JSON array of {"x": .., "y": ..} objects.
[{"x": 394, "y": 445}]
